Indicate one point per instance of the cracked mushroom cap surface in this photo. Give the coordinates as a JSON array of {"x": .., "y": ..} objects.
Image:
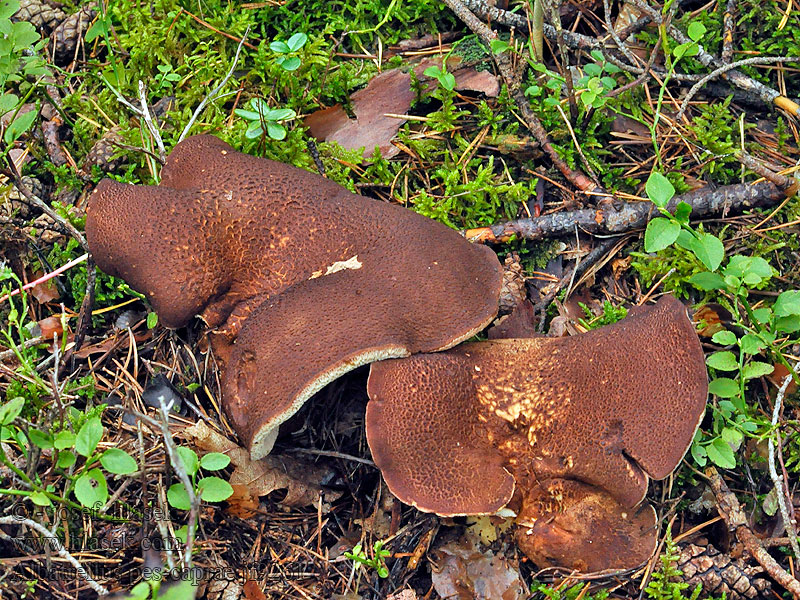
[
  {"x": 299, "y": 279},
  {"x": 609, "y": 409}
]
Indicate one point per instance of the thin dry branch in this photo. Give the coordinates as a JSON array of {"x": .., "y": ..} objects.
[
  {"x": 773, "y": 473},
  {"x": 609, "y": 220},
  {"x": 55, "y": 544}
]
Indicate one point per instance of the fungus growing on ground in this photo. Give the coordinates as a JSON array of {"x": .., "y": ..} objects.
[
  {"x": 299, "y": 279},
  {"x": 570, "y": 427}
]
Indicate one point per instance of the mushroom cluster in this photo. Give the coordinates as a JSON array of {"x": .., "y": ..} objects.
[
  {"x": 300, "y": 280},
  {"x": 572, "y": 428}
]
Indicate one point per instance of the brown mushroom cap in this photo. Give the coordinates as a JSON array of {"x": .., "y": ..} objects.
[
  {"x": 301, "y": 279},
  {"x": 572, "y": 525},
  {"x": 607, "y": 408}
]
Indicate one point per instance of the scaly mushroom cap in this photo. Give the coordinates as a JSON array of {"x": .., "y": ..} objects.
[
  {"x": 607, "y": 408},
  {"x": 301, "y": 279}
]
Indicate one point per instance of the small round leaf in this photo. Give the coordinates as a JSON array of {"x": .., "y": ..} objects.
[
  {"x": 118, "y": 462},
  {"x": 214, "y": 489}
]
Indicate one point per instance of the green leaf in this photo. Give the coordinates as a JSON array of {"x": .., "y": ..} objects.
[
  {"x": 152, "y": 320},
  {"x": 660, "y": 233},
  {"x": 682, "y": 212},
  {"x": 696, "y": 31},
  {"x": 66, "y": 459},
  {"x": 498, "y": 46},
  {"x": 8, "y": 8},
  {"x": 788, "y": 324},
  {"x": 189, "y": 459},
  {"x": 254, "y": 130},
  {"x": 8, "y": 102},
  {"x": 659, "y": 189},
  {"x": 11, "y": 409},
  {"x": 593, "y": 69},
  {"x": 141, "y": 591},
  {"x": 214, "y": 461},
  {"x": 724, "y": 338},
  {"x": 707, "y": 281},
  {"x": 279, "y": 114},
  {"x": 181, "y": 533},
  {"x": 733, "y": 437},
  {"x": 721, "y": 454},
  {"x": 40, "y": 499},
  {"x": 91, "y": 489},
  {"x": 214, "y": 489},
  {"x": 279, "y": 47},
  {"x": 88, "y": 437},
  {"x": 434, "y": 72},
  {"x": 448, "y": 81},
  {"x": 178, "y": 497},
  {"x": 699, "y": 454},
  {"x": 752, "y": 344},
  {"x": 723, "y": 361},
  {"x": 19, "y": 126},
  {"x": 762, "y": 315},
  {"x": 709, "y": 249},
  {"x": 297, "y": 41},
  {"x": 118, "y": 462},
  {"x": 181, "y": 590},
  {"x": 64, "y": 439},
  {"x": 687, "y": 49},
  {"x": 99, "y": 28},
  {"x": 247, "y": 114},
  {"x": 275, "y": 130},
  {"x": 787, "y": 304},
  {"x": 755, "y": 369},
  {"x": 289, "y": 64},
  {"x": 43, "y": 439},
  {"x": 723, "y": 387},
  {"x": 752, "y": 269}
]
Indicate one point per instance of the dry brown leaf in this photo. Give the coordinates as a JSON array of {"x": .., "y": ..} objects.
[
  {"x": 242, "y": 503},
  {"x": 301, "y": 479},
  {"x": 389, "y": 92},
  {"x": 50, "y": 326},
  {"x": 252, "y": 591},
  {"x": 46, "y": 291},
  {"x": 463, "y": 572}
]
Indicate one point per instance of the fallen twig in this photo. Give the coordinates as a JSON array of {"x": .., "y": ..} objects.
[
  {"x": 54, "y": 543},
  {"x": 607, "y": 219},
  {"x": 773, "y": 473},
  {"x": 730, "y": 510},
  {"x": 724, "y": 69}
]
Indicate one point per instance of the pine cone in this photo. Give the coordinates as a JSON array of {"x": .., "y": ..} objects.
[
  {"x": 41, "y": 14},
  {"x": 720, "y": 573},
  {"x": 513, "y": 291},
  {"x": 104, "y": 153},
  {"x": 67, "y": 36}
]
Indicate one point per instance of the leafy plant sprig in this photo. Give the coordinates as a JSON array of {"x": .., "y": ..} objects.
[
  {"x": 265, "y": 119},
  {"x": 210, "y": 489},
  {"x": 378, "y": 562},
  {"x": 732, "y": 419},
  {"x": 287, "y": 58}
]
